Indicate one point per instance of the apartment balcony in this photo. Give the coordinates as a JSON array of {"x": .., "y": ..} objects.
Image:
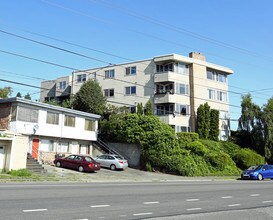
[
  {"x": 165, "y": 77},
  {"x": 178, "y": 120},
  {"x": 167, "y": 97}
]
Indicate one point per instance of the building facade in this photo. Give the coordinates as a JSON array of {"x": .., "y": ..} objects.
[
  {"x": 48, "y": 130},
  {"x": 175, "y": 84}
]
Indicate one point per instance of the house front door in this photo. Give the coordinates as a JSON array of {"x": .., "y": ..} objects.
[
  {"x": 2, "y": 157},
  {"x": 35, "y": 148}
]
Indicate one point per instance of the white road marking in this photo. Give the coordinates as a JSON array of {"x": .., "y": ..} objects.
[
  {"x": 34, "y": 210},
  {"x": 232, "y": 205},
  {"x": 194, "y": 209},
  {"x": 99, "y": 206},
  {"x": 122, "y": 215},
  {"x": 269, "y": 201},
  {"x": 192, "y": 200},
  {"x": 255, "y": 195},
  {"x": 226, "y": 197},
  {"x": 149, "y": 203},
  {"x": 147, "y": 213}
]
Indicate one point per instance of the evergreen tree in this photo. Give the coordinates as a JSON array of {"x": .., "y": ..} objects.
[
  {"x": 149, "y": 108},
  {"x": 201, "y": 121},
  {"x": 90, "y": 98},
  {"x": 214, "y": 125},
  {"x": 207, "y": 120},
  {"x": 139, "y": 109}
]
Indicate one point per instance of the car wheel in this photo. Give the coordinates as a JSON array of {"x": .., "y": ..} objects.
[
  {"x": 113, "y": 167},
  {"x": 81, "y": 169},
  {"x": 260, "y": 177},
  {"x": 58, "y": 164}
]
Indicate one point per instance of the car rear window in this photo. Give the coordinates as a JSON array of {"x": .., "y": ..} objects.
[{"x": 89, "y": 159}]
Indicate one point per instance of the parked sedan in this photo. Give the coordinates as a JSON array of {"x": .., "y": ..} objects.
[
  {"x": 82, "y": 163},
  {"x": 260, "y": 172},
  {"x": 112, "y": 161}
]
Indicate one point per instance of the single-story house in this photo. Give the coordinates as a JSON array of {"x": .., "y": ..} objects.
[{"x": 48, "y": 129}]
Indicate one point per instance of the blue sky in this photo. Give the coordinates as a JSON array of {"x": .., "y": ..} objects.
[{"x": 231, "y": 33}]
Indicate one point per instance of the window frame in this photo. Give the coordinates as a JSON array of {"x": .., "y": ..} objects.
[
  {"x": 131, "y": 92},
  {"x": 56, "y": 115},
  {"x": 67, "y": 122},
  {"x": 109, "y": 74},
  {"x": 130, "y": 71}
]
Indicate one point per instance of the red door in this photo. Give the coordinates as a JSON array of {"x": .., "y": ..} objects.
[{"x": 35, "y": 148}]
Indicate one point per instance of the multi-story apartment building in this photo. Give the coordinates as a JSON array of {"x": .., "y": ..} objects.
[{"x": 175, "y": 84}]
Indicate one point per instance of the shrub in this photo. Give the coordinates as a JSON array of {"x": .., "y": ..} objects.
[
  {"x": 186, "y": 137},
  {"x": 246, "y": 157},
  {"x": 230, "y": 148},
  {"x": 20, "y": 172},
  {"x": 197, "y": 147}
]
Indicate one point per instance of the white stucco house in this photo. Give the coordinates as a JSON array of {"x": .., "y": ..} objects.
[{"x": 42, "y": 130}]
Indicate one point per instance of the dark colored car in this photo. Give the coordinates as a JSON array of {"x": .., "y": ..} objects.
[
  {"x": 263, "y": 171},
  {"x": 82, "y": 163}
]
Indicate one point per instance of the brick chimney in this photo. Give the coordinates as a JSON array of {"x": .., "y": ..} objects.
[{"x": 198, "y": 56}]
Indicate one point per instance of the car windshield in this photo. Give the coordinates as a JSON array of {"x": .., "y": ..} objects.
[
  {"x": 258, "y": 167},
  {"x": 89, "y": 159},
  {"x": 252, "y": 168},
  {"x": 119, "y": 157}
]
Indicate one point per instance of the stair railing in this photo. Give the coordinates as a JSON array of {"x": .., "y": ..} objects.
[{"x": 108, "y": 148}]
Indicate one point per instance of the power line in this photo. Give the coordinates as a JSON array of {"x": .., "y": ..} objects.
[{"x": 178, "y": 29}]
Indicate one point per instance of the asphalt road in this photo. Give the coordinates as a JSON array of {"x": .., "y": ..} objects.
[{"x": 136, "y": 200}]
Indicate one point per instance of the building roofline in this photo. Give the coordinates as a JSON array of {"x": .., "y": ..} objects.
[
  {"x": 48, "y": 106},
  {"x": 190, "y": 60}
]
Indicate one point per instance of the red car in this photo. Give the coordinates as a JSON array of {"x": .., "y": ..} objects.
[{"x": 82, "y": 163}]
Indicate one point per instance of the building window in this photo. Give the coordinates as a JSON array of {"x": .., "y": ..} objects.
[
  {"x": 109, "y": 92},
  {"x": 89, "y": 125},
  {"x": 164, "y": 109},
  {"x": 210, "y": 75},
  {"x": 110, "y": 74},
  {"x": 182, "y": 129},
  {"x": 222, "y": 78},
  {"x": 164, "y": 67},
  {"x": 182, "y": 89},
  {"x": 63, "y": 147},
  {"x": 221, "y": 96},
  {"x": 130, "y": 90},
  {"x": 131, "y": 70},
  {"x": 211, "y": 93},
  {"x": 52, "y": 118},
  {"x": 62, "y": 85},
  {"x": 69, "y": 121},
  {"x": 81, "y": 78},
  {"x": 182, "y": 109},
  {"x": 223, "y": 115},
  {"x": 27, "y": 114},
  {"x": 217, "y": 76},
  {"x": 183, "y": 68}
]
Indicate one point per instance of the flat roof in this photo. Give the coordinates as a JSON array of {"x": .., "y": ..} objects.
[{"x": 48, "y": 106}]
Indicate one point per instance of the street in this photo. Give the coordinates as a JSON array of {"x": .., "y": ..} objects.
[{"x": 131, "y": 200}]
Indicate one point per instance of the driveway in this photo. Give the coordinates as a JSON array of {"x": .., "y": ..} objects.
[{"x": 127, "y": 175}]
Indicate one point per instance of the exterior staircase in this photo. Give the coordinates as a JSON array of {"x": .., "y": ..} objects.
[
  {"x": 33, "y": 165},
  {"x": 106, "y": 148}
]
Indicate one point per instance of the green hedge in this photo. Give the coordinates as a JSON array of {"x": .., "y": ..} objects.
[{"x": 246, "y": 158}]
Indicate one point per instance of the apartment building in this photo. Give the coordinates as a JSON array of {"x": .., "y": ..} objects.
[{"x": 175, "y": 84}]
